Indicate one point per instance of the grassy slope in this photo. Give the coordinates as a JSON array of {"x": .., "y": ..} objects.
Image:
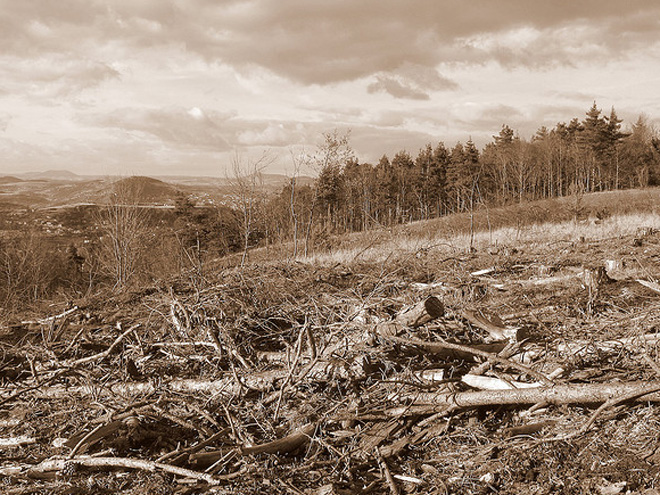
[{"x": 621, "y": 213}]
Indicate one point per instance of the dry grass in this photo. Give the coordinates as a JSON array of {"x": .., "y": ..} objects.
[
  {"x": 376, "y": 248},
  {"x": 602, "y": 216}
]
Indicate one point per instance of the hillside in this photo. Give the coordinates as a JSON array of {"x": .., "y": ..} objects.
[
  {"x": 371, "y": 365},
  {"x": 63, "y": 188},
  {"x": 8, "y": 179},
  {"x": 145, "y": 190}
]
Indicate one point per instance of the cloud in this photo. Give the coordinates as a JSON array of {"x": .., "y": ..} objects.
[
  {"x": 184, "y": 128},
  {"x": 411, "y": 81},
  {"x": 53, "y": 77},
  {"x": 5, "y": 118},
  {"x": 329, "y": 42},
  {"x": 396, "y": 88},
  {"x": 273, "y": 134}
]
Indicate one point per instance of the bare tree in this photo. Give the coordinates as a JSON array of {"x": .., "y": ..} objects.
[
  {"x": 246, "y": 181},
  {"x": 299, "y": 160},
  {"x": 123, "y": 224}
]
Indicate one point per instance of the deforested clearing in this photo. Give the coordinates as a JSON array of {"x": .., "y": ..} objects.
[{"x": 509, "y": 350}]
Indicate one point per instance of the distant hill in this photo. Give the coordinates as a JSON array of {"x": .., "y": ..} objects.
[
  {"x": 146, "y": 190},
  {"x": 267, "y": 180},
  {"x": 53, "y": 175},
  {"x": 9, "y": 179},
  {"x": 61, "y": 188}
]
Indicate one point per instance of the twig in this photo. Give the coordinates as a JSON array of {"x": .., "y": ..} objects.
[
  {"x": 51, "y": 318},
  {"x": 652, "y": 364},
  {"x": 73, "y": 341},
  {"x": 510, "y": 350},
  {"x": 97, "y": 433},
  {"x": 311, "y": 341},
  {"x": 293, "y": 367},
  {"x": 179, "y": 421},
  {"x": 102, "y": 355},
  {"x": 28, "y": 389},
  {"x": 386, "y": 471},
  {"x": 194, "y": 448}
]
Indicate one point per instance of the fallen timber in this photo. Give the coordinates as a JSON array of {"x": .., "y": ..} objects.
[{"x": 571, "y": 393}]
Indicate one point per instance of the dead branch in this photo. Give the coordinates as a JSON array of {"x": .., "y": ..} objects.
[
  {"x": 256, "y": 381},
  {"x": 17, "y": 441},
  {"x": 612, "y": 401},
  {"x": 50, "y": 319},
  {"x": 443, "y": 347},
  {"x": 286, "y": 445},
  {"x": 386, "y": 471},
  {"x": 102, "y": 355},
  {"x": 584, "y": 348},
  {"x": 42, "y": 469}
]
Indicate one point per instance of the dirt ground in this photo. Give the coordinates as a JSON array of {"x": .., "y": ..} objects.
[{"x": 299, "y": 378}]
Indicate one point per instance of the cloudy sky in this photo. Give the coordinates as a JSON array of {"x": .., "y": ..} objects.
[{"x": 180, "y": 86}]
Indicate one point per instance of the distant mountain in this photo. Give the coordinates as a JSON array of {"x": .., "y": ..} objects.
[{"x": 52, "y": 175}]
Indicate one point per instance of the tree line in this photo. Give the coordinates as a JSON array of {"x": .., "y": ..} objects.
[{"x": 588, "y": 155}]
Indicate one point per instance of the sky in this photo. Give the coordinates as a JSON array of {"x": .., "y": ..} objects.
[{"x": 188, "y": 87}]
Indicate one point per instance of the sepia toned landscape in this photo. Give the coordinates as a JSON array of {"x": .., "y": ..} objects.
[
  {"x": 292, "y": 247},
  {"x": 251, "y": 335}
]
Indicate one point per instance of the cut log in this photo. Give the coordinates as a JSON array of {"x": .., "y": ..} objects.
[
  {"x": 421, "y": 313},
  {"x": 577, "y": 393},
  {"x": 412, "y": 317}
]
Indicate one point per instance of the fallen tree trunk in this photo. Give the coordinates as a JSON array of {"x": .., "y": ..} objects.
[
  {"x": 321, "y": 370},
  {"x": 574, "y": 393},
  {"x": 228, "y": 385}
]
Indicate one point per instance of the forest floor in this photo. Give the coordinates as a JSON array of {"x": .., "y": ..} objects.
[{"x": 326, "y": 377}]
